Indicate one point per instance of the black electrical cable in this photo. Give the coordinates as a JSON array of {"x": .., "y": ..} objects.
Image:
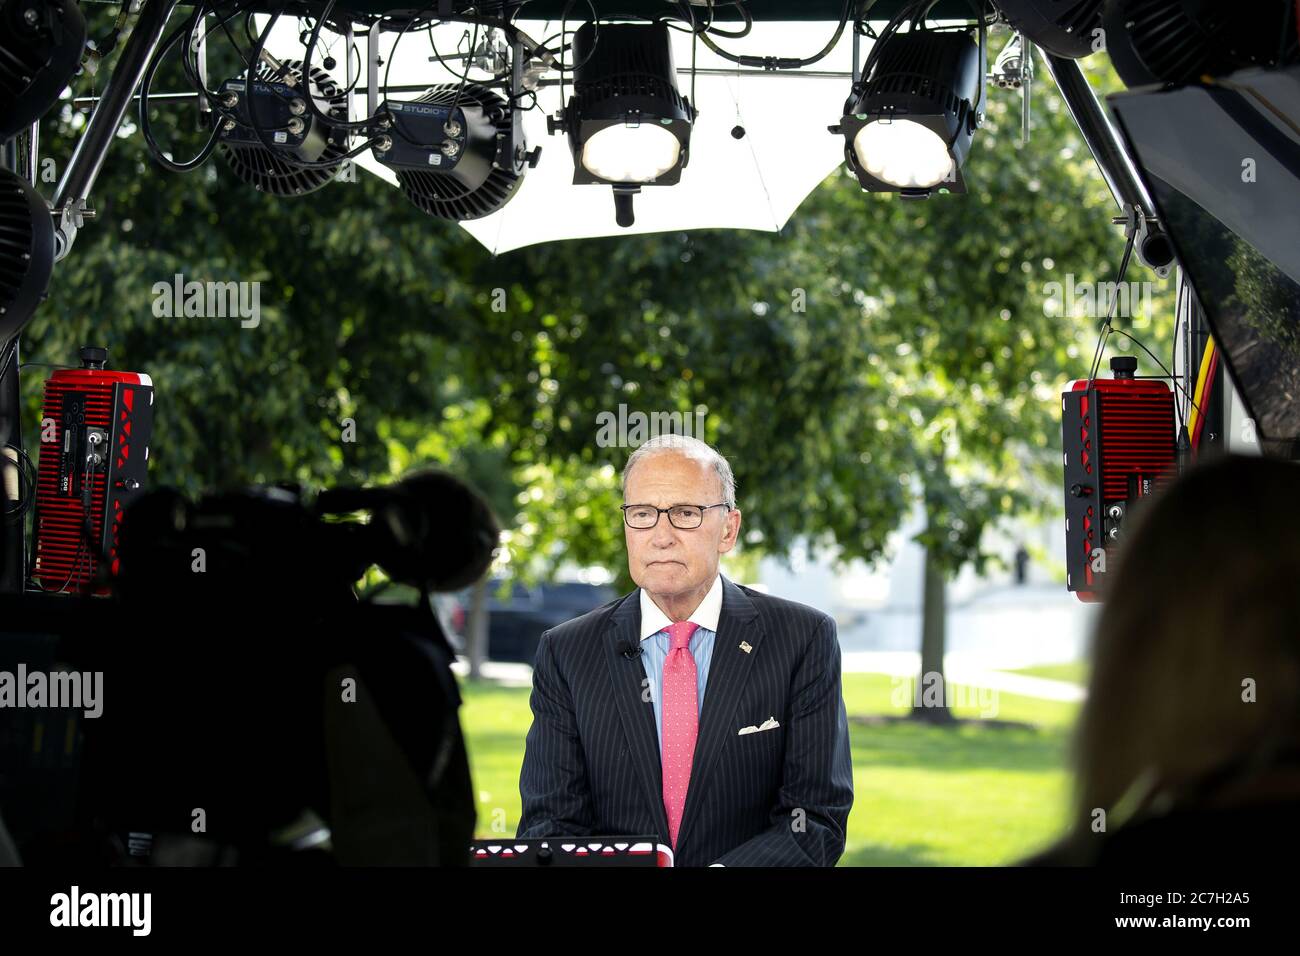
[
  {"x": 356, "y": 74},
  {"x": 231, "y": 37},
  {"x": 189, "y": 54},
  {"x": 1108, "y": 329},
  {"x": 887, "y": 31},
  {"x": 76, "y": 558},
  {"x": 1169, "y": 375},
  {"x": 371, "y": 34},
  {"x": 781, "y": 62},
  {"x": 595, "y": 42},
  {"x": 27, "y": 475},
  {"x": 392, "y": 55},
  {"x": 514, "y": 104},
  {"x": 734, "y": 34},
  {"x": 219, "y": 111},
  {"x": 98, "y": 51},
  {"x": 146, "y": 83},
  {"x": 918, "y": 24},
  {"x": 469, "y": 63},
  {"x": 695, "y": 49},
  {"x": 688, "y": 15},
  {"x": 307, "y": 96},
  {"x": 260, "y": 131},
  {"x": 442, "y": 60},
  {"x": 147, "y": 131}
]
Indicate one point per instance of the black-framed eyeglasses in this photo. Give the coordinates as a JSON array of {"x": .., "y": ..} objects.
[{"x": 682, "y": 517}]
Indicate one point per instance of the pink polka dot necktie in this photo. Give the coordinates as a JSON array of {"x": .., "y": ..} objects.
[{"x": 680, "y": 720}]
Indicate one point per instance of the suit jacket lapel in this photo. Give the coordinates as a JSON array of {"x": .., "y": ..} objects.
[
  {"x": 728, "y": 673},
  {"x": 638, "y": 716}
]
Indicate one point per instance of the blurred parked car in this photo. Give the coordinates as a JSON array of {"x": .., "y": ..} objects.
[{"x": 516, "y": 623}]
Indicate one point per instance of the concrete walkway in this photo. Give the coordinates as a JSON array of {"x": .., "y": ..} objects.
[
  {"x": 505, "y": 673},
  {"x": 960, "y": 669}
]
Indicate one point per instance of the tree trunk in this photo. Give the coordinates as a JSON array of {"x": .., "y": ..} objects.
[
  {"x": 476, "y": 628},
  {"x": 930, "y": 702}
]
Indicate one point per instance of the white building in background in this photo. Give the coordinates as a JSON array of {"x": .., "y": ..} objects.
[{"x": 993, "y": 623}]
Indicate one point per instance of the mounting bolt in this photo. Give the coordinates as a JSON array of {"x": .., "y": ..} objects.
[
  {"x": 30, "y": 16},
  {"x": 230, "y": 99},
  {"x": 297, "y": 107},
  {"x": 296, "y": 126}
]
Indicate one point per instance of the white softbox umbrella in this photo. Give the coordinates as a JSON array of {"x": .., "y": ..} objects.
[{"x": 752, "y": 182}]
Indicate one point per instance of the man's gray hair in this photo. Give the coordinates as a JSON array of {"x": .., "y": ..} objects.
[{"x": 691, "y": 448}]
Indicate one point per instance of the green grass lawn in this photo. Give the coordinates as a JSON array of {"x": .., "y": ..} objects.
[
  {"x": 1076, "y": 672},
  {"x": 979, "y": 793}
]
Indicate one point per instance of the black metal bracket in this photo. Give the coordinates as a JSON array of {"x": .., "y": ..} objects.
[
  {"x": 70, "y": 199},
  {"x": 1152, "y": 245}
]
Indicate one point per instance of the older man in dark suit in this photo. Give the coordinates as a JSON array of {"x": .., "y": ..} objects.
[{"x": 705, "y": 712}]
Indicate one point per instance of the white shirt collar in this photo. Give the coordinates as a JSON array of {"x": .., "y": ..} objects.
[{"x": 653, "y": 620}]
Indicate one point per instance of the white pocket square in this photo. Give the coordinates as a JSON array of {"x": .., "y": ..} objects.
[{"x": 766, "y": 725}]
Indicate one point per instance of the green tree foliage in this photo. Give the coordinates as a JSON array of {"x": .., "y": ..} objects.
[{"x": 875, "y": 350}]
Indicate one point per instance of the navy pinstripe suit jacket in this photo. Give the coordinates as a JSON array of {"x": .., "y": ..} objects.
[{"x": 778, "y": 797}]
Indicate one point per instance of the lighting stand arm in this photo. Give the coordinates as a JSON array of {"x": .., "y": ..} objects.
[
  {"x": 1026, "y": 81},
  {"x": 70, "y": 209},
  {"x": 1152, "y": 246}
]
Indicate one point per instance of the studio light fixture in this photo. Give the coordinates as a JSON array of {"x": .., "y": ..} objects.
[
  {"x": 41, "y": 42},
  {"x": 277, "y": 144},
  {"x": 627, "y": 123},
  {"x": 1069, "y": 28},
  {"x": 1179, "y": 41},
  {"x": 26, "y": 252},
  {"x": 909, "y": 122},
  {"x": 458, "y": 150}
]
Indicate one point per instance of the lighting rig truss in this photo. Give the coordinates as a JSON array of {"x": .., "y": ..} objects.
[{"x": 285, "y": 124}]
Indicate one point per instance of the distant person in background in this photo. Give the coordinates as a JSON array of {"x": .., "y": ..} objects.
[
  {"x": 694, "y": 709},
  {"x": 1022, "y": 564},
  {"x": 1189, "y": 741}
]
